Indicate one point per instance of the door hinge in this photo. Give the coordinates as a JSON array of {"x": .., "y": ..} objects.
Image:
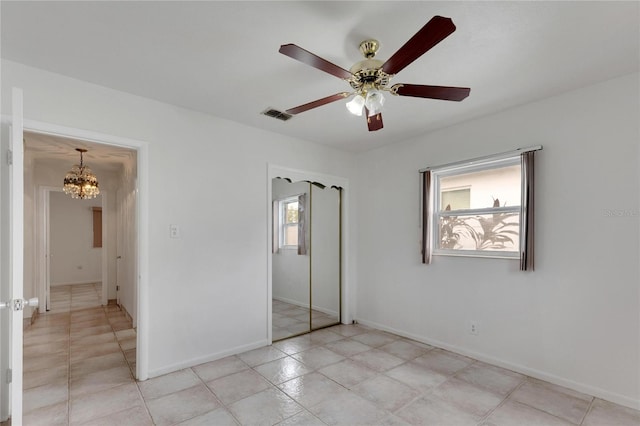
[
  {"x": 117, "y": 288},
  {"x": 9, "y": 157},
  {"x": 9, "y": 375}
]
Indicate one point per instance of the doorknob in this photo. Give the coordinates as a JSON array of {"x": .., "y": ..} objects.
[{"x": 19, "y": 304}]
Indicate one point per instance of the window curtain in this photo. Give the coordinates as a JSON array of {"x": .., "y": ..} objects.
[
  {"x": 302, "y": 228},
  {"x": 426, "y": 217},
  {"x": 526, "y": 214}
]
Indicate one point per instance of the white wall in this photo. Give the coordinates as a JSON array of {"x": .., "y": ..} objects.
[
  {"x": 212, "y": 274},
  {"x": 574, "y": 320},
  {"x": 74, "y": 260}
]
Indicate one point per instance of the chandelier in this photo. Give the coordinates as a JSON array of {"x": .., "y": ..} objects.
[{"x": 80, "y": 182}]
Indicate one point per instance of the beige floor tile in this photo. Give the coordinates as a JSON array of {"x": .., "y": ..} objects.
[
  {"x": 471, "y": 399},
  {"x": 38, "y": 362},
  {"x": 44, "y": 376},
  {"x": 608, "y": 413},
  {"x": 302, "y": 418},
  {"x": 99, "y": 381},
  {"x": 261, "y": 355},
  {"x": 94, "y": 339},
  {"x": 386, "y": 393},
  {"x": 561, "y": 402},
  {"x": 322, "y": 337},
  {"x": 514, "y": 413},
  {"x": 295, "y": 344},
  {"x": 348, "y": 373},
  {"x": 85, "y": 366},
  {"x": 378, "y": 360},
  {"x": 416, "y": 376},
  {"x": 169, "y": 383},
  {"x": 374, "y": 338},
  {"x": 443, "y": 362},
  {"x": 99, "y": 349},
  {"x": 220, "y": 368},
  {"x": 217, "y": 417},
  {"x": 90, "y": 331},
  {"x": 236, "y": 386},
  {"x": 311, "y": 389},
  {"x": 318, "y": 357},
  {"x": 51, "y": 415},
  {"x": 99, "y": 404},
  {"x": 347, "y": 347},
  {"x": 403, "y": 349},
  {"x": 182, "y": 405},
  {"x": 495, "y": 379},
  {"x": 282, "y": 369},
  {"x": 348, "y": 409},
  {"x": 267, "y": 407},
  {"x": 126, "y": 334},
  {"x": 432, "y": 411},
  {"x": 42, "y": 396},
  {"x": 136, "y": 416},
  {"x": 348, "y": 330}
]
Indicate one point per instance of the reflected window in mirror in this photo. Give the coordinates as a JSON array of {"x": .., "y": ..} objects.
[{"x": 289, "y": 218}]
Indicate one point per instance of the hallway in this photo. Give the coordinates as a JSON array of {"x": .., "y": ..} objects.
[{"x": 74, "y": 355}]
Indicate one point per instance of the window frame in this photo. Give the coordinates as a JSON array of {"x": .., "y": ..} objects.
[
  {"x": 282, "y": 226},
  {"x": 437, "y": 213}
]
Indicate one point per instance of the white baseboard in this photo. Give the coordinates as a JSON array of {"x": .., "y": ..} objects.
[
  {"x": 77, "y": 282},
  {"x": 207, "y": 358},
  {"x": 304, "y": 305},
  {"x": 557, "y": 380}
]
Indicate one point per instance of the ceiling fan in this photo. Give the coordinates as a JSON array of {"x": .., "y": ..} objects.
[{"x": 370, "y": 77}]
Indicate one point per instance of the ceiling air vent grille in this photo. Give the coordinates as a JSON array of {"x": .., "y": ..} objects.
[{"x": 272, "y": 112}]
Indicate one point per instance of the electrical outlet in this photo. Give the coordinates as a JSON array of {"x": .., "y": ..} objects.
[
  {"x": 174, "y": 231},
  {"x": 473, "y": 328}
]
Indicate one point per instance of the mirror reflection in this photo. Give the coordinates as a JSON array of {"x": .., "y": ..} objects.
[{"x": 306, "y": 257}]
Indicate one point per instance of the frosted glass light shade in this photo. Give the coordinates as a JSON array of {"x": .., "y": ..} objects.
[
  {"x": 374, "y": 102},
  {"x": 355, "y": 105}
]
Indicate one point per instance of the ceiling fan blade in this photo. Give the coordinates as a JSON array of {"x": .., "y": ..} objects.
[
  {"x": 374, "y": 122},
  {"x": 433, "y": 92},
  {"x": 317, "y": 103},
  {"x": 306, "y": 57},
  {"x": 434, "y": 31}
]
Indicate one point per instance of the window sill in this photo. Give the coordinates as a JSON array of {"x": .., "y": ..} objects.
[{"x": 480, "y": 254}]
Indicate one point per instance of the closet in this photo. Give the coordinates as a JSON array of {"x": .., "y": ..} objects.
[{"x": 306, "y": 261}]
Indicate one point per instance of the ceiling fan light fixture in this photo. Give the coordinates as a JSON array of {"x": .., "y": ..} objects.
[
  {"x": 374, "y": 102},
  {"x": 355, "y": 105}
]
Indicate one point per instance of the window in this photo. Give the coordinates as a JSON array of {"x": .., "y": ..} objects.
[
  {"x": 476, "y": 208},
  {"x": 482, "y": 207},
  {"x": 97, "y": 227},
  {"x": 289, "y": 210}
]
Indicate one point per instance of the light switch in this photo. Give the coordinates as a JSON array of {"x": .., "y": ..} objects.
[{"x": 174, "y": 231}]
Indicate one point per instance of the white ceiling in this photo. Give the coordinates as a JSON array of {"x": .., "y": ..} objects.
[
  {"x": 222, "y": 57},
  {"x": 61, "y": 153}
]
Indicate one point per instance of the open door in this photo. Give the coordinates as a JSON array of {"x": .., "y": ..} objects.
[{"x": 12, "y": 286}]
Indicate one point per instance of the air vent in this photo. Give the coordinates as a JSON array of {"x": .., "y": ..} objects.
[{"x": 271, "y": 112}]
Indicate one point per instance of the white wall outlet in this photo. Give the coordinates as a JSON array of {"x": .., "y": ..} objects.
[
  {"x": 473, "y": 327},
  {"x": 174, "y": 231}
]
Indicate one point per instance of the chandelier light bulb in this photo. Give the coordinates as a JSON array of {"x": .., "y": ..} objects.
[
  {"x": 374, "y": 102},
  {"x": 355, "y": 105}
]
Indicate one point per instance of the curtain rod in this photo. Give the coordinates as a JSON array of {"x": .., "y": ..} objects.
[{"x": 486, "y": 157}]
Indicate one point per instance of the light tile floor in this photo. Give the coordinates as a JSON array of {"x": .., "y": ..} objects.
[
  {"x": 343, "y": 375},
  {"x": 291, "y": 320}
]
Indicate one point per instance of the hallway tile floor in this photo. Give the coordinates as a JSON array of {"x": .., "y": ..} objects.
[{"x": 78, "y": 366}]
